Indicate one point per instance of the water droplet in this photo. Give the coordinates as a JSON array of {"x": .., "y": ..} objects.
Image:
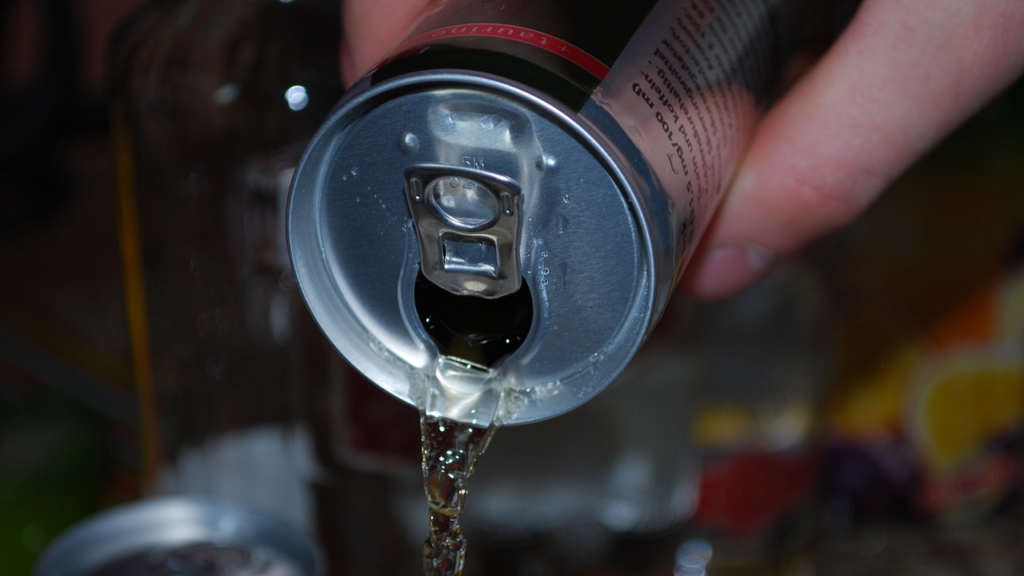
[
  {"x": 563, "y": 224},
  {"x": 354, "y": 171},
  {"x": 594, "y": 357},
  {"x": 544, "y": 254},
  {"x": 543, "y": 281},
  {"x": 545, "y": 270},
  {"x": 409, "y": 143},
  {"x": 344, "y": 176},
  {"x": 565, "y": 198},
  {"x": 547, "y": 162}
]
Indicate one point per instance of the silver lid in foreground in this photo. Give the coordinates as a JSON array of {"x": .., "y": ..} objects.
[{"x": 180, "y": 535}]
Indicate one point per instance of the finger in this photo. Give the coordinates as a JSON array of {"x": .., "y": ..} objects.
[
  {"x": 898, "y": 80},
  {"x": 371, "y": 29}
]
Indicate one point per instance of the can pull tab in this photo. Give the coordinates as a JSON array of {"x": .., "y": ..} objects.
[{"x": 468, "y": 222}]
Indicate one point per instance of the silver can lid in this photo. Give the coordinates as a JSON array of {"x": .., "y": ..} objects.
[
  {"x": 180, "y": 535},
  {"x": 524, "y": 172}
]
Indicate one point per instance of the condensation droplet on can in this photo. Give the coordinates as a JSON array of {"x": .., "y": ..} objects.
[
  {"x": 409, "y": 143},
  {"x": 547, "y": 162},
  {"x": 563, "y": 224}
]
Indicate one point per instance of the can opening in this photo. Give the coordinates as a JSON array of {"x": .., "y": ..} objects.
[{"x": 481, "y": 331}]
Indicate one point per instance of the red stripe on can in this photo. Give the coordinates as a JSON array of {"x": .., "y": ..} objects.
[{"x": 518, "y": 34}]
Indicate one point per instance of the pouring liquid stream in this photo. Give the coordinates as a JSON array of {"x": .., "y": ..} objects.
[
  {"x": 450, "y": 452},
  {"x": 462, "y": 400}
]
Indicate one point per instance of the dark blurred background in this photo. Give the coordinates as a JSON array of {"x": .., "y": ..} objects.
[
  {"x": 69, "y": 433},
  {"x": 68, "y": 441}
]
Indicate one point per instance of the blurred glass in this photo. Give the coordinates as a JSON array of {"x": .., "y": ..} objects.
[
  {"x": 241, "y": 395},
  {"x": 764, "y": 366},
  {"x": 213, "y": 102}
]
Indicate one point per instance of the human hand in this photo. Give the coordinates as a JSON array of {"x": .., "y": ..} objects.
[
  {"x": 899, "y": 79},
  {"x": 371, "y": 29}
]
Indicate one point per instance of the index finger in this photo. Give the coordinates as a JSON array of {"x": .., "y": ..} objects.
[
  {"x": 898, "y": 80},
  {"x": 371, "y": 29}
]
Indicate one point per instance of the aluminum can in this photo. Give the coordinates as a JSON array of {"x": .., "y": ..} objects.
[
  {"x": 177, "y": 536},
  {"x": 575, "y": 148}
]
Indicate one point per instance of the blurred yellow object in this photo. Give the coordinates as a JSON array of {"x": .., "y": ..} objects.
[
  {"x": 719, "y": 426},
  {"x": 771, "y": 427},
  {"x": 964, "y": 400},
  {"x": 868, "y": 406}
]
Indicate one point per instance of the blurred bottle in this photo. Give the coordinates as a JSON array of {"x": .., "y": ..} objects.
[{"x": 213, "y": 102}]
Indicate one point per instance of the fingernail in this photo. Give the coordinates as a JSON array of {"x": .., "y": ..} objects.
[{"x": 726, "y": 269}]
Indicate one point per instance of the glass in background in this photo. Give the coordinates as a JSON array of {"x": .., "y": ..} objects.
[
  {"x": 763, "y": 369},
  {"x": 212, "y": 104}
]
